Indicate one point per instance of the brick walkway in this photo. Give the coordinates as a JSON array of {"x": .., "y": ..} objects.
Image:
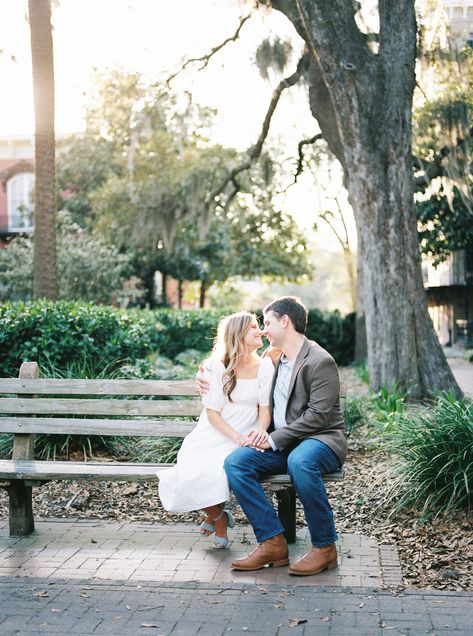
[
  {"x": 107, "y": 551},
  {"x": 128, "y": 578},
  {"x": 30, "y": 607}
]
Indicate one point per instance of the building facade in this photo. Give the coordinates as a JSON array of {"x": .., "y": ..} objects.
[
  {"x": 16, "y": 185},
  {"x": 450, "y": 298},
  {"x": 460, "y": 17}
]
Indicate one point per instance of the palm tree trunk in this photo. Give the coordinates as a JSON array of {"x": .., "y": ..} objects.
[{"x": 44, "y": 260}]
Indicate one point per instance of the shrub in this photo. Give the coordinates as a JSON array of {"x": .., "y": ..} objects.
[
  {"x": 435, "y": 447},
  {"x": 61, "y": 332},
  {"x": 88, "y": 267},
  {"x": 334, "y": 333},
  {"x": 106, "y": 337},
  {"x": 388, "y": 406},
  {"x": 355, "y": 413}
]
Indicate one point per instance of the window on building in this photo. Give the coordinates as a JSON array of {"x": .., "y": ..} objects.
[
  {"x": 458, "y": 13},
  {"x": 20, "y": 206}
]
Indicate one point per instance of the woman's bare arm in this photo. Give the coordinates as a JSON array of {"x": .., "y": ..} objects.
[{"x": 221, "y": 425}]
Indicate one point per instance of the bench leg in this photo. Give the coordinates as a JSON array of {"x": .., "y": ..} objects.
[
  {"x": 287, "y": 512},
  {"x": 21, "y": 509}
]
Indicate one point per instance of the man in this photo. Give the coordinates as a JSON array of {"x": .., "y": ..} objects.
[{"x": 307, "y": 439}]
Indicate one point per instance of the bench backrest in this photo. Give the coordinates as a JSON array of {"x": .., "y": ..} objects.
[
  {"x": 94, "y": 407},
  {"x": 97, "y": 407}
]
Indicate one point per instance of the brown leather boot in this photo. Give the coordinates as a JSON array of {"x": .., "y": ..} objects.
[
  {"x": 315, "y": 561},
  {"x": 272, "y": 552}
]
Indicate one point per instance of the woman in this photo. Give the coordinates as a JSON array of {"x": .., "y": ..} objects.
[{"x": 236, "y": 413}]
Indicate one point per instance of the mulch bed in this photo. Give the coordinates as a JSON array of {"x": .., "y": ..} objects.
[{"x": 437, "y": 554}]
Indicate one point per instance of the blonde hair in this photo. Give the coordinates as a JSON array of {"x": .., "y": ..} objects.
[{"x": 229, "y": 346}]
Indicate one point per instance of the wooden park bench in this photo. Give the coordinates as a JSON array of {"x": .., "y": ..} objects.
[{"x": 78, "y": 407}]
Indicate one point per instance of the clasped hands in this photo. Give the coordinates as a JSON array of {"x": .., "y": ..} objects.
[{"x": 257, "y": 439}]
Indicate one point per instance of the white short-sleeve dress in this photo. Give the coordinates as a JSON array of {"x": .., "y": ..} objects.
[{"x": 198, "y": 480}]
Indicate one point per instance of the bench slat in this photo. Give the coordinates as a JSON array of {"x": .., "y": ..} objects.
[
  {"x": 97, "y": 387},
  {"x": 90, "y": 471},
  {"x": 285, "y": 480},
  {"x": 103, "y": 471},
  {"x": 75, "y": 426},
  {"x": 56, "y": 406}
]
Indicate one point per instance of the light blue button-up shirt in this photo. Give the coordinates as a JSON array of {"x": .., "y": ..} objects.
[{"x": 281, "y": 394}]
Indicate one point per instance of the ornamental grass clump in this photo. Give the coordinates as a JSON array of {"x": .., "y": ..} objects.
[{"x": 435, "y": 448}]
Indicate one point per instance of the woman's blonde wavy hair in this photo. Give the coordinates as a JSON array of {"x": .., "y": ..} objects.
[{"x": 229, "y": 346}]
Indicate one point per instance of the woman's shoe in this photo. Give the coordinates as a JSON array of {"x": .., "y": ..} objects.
[
  {"x": 207, "y": 528},
  {"x": 220, "y": 542}
]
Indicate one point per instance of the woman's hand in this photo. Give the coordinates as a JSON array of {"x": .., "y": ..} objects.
[
  {"x": 248, "y": 440},
  {"x": 202, "y": 385},
  {"x": 257, "y": 437}
]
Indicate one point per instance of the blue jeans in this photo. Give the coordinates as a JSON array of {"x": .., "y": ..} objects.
[{"x": 305, "y": 464}]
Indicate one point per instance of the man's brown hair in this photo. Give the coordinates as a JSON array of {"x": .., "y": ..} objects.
[{"x": 292, "y": 307}]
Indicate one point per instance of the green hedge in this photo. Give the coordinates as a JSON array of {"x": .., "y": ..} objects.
[
  {"x": 334, "y": 333},
  {"x": 57, "y": 333}
]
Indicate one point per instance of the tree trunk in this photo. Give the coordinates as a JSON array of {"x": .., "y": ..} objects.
[
  {"x": 361, "y": 348},
  {"x": 44, "y": 260},
  {"x": 180, "y": 292},
  {"x": 402, "y": 344},
  {"x": 363, "y": 102},
  {"x": 203, "y": 293}
]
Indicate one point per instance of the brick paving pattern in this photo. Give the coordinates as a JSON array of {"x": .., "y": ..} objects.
[
  {"x": 30, "y": 607},
  {"x": 175, "y": 553},
  {"x": 94, "y": 577}
]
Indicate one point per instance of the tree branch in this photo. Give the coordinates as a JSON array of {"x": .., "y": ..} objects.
[
  {"x": 300, "y": 156},
  {"x": 205, "y": 59},
  {"x": 255, "y": 151}
]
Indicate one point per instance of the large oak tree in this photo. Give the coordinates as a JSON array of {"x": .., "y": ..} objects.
[{"x": 361, "y": 97}]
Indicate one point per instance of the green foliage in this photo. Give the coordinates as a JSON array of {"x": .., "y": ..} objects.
[
  {"x": 388, "y": 406},
  {"x": 361, "y": 369},
  {"x": 435, "y": 446},
  {"x": 52, "y": 447},
  {"x": 443, "y": 144},
  {"x": 89, "y": 268},
  {"x": 59, "y": 333},
  {"x": 334, "y": 333},
  {"x": 444, "y": 225},
  {"x": 144, "y": 175},
  {"x": 161, "y": 450},
  {"x": 16, "y": 270},
  {"x": 84, "y": 164},
  {"x": 355, "y": 413},
  {"x": 64, "y": 333}
]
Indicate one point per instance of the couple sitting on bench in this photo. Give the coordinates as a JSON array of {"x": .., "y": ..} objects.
[{"x": 293, "y": 392}]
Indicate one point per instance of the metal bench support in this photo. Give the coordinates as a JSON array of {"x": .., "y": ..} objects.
[{"x": 287, "y": 512}]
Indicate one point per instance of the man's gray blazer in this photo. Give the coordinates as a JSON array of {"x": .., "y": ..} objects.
[{"x": 313, "y": 406}]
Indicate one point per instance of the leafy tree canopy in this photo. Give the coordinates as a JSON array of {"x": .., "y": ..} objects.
[
  {"x": 443, "y": 147},
  {"x": 144, "y": 175}
]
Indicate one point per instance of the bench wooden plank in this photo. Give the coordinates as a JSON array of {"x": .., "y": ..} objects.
[
  {"x": 56, "y": 406},
  {"x": 89, "y": 471},
  {"x": 104, "y": 471},
  {"x": 76, "y": 426},
  {"x": 285, "y": 480},
  {"x": 98, "y": 387}
]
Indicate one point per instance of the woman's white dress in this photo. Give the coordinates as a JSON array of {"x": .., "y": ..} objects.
[{"x": 198, "y": 480}]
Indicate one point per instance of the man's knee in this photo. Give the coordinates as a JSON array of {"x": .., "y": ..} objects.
[
  {"x": 298, "y": 463},
  {"x": 234, "y": 462}
]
